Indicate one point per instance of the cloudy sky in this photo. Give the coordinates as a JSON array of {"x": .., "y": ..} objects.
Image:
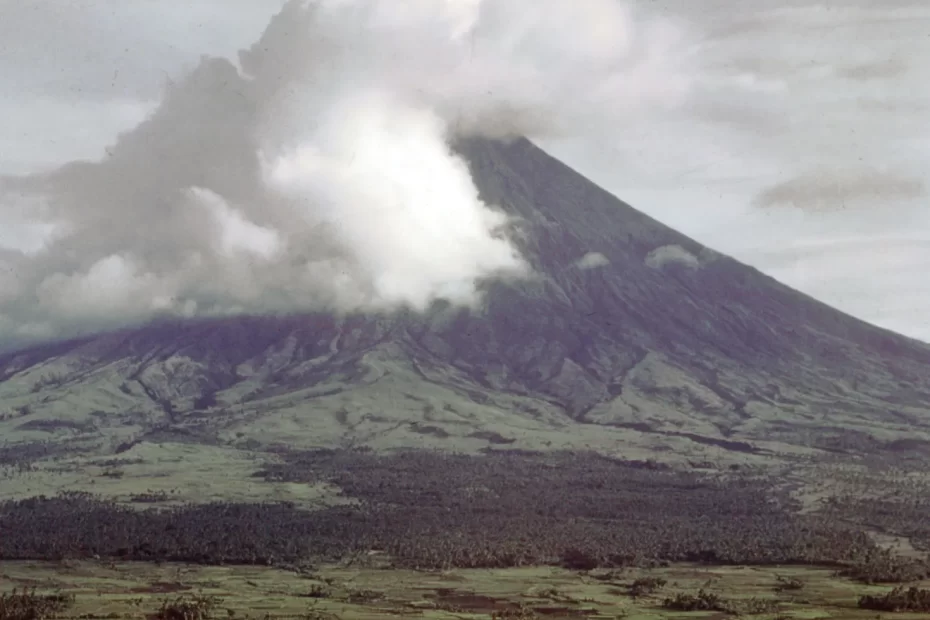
[{"x": 791, "y": 135}]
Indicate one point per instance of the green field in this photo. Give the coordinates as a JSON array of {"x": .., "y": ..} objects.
[{"x": 366, "y": 591}]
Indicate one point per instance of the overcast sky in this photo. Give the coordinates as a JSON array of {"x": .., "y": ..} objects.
[{"x": 800, "y": 147}]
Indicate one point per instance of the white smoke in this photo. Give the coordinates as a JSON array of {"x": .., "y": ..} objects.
[
  {"x": 318, "y": 174},
  {"x": 380, "y": 173}
]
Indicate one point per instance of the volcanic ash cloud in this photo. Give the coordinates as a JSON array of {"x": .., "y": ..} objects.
[{"x": 318, "y": 173}]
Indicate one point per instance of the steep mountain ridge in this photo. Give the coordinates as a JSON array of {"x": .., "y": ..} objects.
[{"x": 624, "y": 324}]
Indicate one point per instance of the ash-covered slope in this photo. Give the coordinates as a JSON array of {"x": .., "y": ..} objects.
[{"x": 626, "y": 324}]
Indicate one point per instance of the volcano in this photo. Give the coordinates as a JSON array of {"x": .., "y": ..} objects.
[{"x": 628, "y": 337}]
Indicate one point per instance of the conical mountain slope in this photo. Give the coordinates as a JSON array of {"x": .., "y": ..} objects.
[{"x": 627, "y": 330}]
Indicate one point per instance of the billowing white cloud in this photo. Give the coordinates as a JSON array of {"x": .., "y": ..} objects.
[
  {"x": 314, "y": 170},
  {"x": 380, "y": 174}
]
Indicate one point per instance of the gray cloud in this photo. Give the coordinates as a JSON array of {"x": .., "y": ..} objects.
[
  {"x": 313, "y": 170},
  {"x": 838, "y": 189},
  {"x": 876, "y": 70}
]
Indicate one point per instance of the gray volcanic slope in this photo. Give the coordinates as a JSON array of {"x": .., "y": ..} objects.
[{"x": 629, "y": 324}]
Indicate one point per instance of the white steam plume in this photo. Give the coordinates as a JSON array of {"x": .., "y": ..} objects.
[{"x": 319, "y": 174}]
